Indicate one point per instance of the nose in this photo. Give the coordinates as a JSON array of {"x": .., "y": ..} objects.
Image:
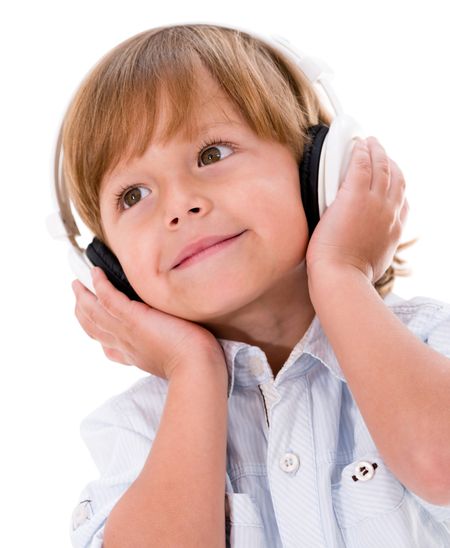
[
  {"x": 175, "y": 220},
  {"x": 184, "y": 197}
]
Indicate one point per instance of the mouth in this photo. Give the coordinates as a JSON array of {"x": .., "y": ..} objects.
[{"x": 209, "y": 251}]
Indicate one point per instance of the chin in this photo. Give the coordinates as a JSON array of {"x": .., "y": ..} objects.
[
  {"x": 205, "y": 310},
  {"x": 200, "y": 302}
]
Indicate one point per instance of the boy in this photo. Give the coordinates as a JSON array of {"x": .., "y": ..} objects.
[{"x": 196, "y": 131}]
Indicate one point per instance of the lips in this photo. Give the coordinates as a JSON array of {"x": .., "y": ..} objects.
[{"x": 200, "y": 245}]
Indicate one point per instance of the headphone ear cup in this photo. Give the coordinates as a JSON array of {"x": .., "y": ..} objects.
[
  {"x": 100, "y": 255},
  {"x": 337, "y": 152},
  {"x": 309, "y": 174}
]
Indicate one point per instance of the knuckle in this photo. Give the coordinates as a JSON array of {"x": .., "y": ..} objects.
[
  {"x": 105, "y": 301},
  {"x": 110, "y": 353},
  {"x": 86, "y": 310},
  {"x": 107, "y": 351},
  {"x": 128, "y": 346},
  {"x": 387, "y": 212},
  {"x": 109, "y": 302},
  {"x": 85, "y": 326},
  {"x": 79, "y": 314},
  {"x": 383, "y": 166},
  {"x": 133, "y": 313},
  {"x": 398, "y": 174},
  {"x": 363, "y": 164},
  {"x": 94, "y": 316}
]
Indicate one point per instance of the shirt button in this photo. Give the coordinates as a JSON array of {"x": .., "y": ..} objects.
[
  {"x": 364, "y": 470},
  {"x": 289, "y": 462}
]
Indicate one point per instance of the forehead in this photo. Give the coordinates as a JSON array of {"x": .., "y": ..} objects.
[
  {"x": 180, "y": 110},
  {"x": 210, "y": 107}
]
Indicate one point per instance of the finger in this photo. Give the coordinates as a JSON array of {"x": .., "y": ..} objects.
[
  {"x": 404, "y": 211},
  {"x": 93, "y": 330},
  {"x": 359, "y": 172},
  {"x": 115, "y": 355},
  {"x": 112, "y": 300},
  {"x": 381, "y": 169},
  {"x": 89, "y": 304},
  {"x": 78, "y": 287},
  {"x": 398, "y": 183}
]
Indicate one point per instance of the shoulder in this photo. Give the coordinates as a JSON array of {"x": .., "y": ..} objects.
[
  {"x": 414, "y": 304},
  {"x": 425, "y": 316}
]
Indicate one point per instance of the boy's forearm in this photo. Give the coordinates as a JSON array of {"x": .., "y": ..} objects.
[
  {"x": 400, "y": 384},
  {"x": 178, "y": 498}
]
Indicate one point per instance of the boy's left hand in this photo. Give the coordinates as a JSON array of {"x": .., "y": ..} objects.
[{"x": 363, "y": 225}]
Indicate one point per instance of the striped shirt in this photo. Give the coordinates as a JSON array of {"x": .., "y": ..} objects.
[{"x": 302, "y": 468}]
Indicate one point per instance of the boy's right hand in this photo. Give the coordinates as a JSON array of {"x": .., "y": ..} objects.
[{"x": 133, "y": 333}]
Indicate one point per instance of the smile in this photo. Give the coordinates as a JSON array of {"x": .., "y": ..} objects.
[{"x": 209, "y": 251}]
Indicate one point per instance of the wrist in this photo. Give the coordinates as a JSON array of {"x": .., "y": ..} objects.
[
  {"x": 326, "y": 267},
  {"x": 208, "y": 363},
  {"x": 325, "y": 275}
]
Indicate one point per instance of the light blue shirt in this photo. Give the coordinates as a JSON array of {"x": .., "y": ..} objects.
[{"x": 302, "y": 468}]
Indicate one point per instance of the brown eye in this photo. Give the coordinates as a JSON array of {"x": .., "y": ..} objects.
[
  {"x": 134, "y": 195},
  {"x": 213, "y": 154}
]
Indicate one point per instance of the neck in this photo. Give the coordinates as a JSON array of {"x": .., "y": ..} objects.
[{"x": 274, "y": 322}]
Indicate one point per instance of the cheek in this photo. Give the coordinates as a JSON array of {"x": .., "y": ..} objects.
[
  {"x": 280, "y": 209},
  {"x": 139, "y": 262},
  {"x": 145, "y": 281},
  {"x": 289, "y": 230}
]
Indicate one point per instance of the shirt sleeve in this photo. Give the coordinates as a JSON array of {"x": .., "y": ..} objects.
[
  {"x": 438, "y": 338},
  {"x": 439, "y": 332},
  {"x": 119, "y": 451}
]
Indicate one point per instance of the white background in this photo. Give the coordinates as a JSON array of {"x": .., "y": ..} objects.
[{"x": 391, "y": 73}]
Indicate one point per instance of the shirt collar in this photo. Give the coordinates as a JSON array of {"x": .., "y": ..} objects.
[{"x": 247, "y": 364}]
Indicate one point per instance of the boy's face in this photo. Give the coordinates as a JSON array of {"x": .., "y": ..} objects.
[{"x": 253, "y": 185}]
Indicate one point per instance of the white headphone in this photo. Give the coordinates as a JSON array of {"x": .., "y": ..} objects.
[{"x": 334, "y": 156}]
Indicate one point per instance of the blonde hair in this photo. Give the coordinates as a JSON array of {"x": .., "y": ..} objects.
[{"x": 113, "y": 114}]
